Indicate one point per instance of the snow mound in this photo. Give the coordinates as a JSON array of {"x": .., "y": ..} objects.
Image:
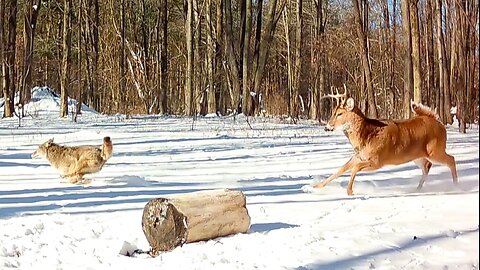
[{"x": 45, "y": 101}]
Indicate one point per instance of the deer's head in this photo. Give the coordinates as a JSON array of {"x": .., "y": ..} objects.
[{"x": 342, "y": 113}]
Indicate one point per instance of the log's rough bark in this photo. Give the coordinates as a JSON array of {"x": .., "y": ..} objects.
[{"x": 173, "y": 221}]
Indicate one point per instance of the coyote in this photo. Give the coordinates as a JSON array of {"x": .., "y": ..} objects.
[{"x": 75, "y": 161}]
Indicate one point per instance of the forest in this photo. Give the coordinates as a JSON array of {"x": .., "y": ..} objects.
[{"x": 274, "y": 58}]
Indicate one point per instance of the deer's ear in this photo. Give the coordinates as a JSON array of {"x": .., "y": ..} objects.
[{"x": 349, "y": 104}]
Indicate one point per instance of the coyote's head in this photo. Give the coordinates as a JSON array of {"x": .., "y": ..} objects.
[{"x": 41, "y": 151}]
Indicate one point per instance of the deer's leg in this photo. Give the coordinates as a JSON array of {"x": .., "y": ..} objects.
[
  {"x": 425, "y": 165},
  {"x": 360, "y": 166},
  {"x": 446, "y": 159},
  {"x": 347, "y": 166}
]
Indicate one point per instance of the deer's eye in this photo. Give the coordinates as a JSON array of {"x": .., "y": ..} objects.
[{"x": 339, "y": 114}]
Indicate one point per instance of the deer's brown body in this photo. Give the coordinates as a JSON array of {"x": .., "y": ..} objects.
[
  {"x": 421, "y": 139},
  {"x": 73, "y": 162}
]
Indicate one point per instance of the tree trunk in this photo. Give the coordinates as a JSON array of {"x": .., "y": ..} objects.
[
  {"x": 247, "y": 98},
  {"x": 430, "y": 87},
  {"x": 359, "y": 25},
  {"x": 31, "y": 15},
  {"x": 219, "y": 84},
  {"x": 298, "y": 59},
  {"x": 189, "y": 71},
  {"x": 318, "y": 63},
  {"x": 210, "y": 61},
  {"x": 65, "y": 66},
  {"x": 408, "y": 72},
  {"x": 172, "y": 221},
  {"x": 80, "y": 86},
  {"x": 416, "y": 66},
  {"x": 122, "y": 87},
  {"x": 163, "y": 87},
  {"x": 442, "y": 63},
  {"x": 264, "y": 46},
  {"x": 290, "y": 75},
  {"x": 9, "y": 66},
  {"x": 3, "y": 88},
  {"x": 231, "y": 58}
]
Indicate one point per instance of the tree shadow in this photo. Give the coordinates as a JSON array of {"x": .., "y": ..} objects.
[
  {"x": 349, "y": 262},
  {"x": 267, "y": 227}
]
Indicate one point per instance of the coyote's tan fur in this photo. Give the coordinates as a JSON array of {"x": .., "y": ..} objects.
[
  {"x": 73, "y": 162},
  {"x": 376, "y": 143}
]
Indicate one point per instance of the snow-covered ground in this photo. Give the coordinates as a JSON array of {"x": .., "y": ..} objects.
[{"x": 387, "y": 224}]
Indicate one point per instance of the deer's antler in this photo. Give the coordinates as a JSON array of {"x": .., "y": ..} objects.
[{"x": 339, "y": 97}]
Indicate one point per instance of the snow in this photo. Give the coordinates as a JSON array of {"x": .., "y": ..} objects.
[{"x": 48, "y": 224}]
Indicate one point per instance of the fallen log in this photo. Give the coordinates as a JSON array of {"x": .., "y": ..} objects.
[{"x": 174, "y": 220}]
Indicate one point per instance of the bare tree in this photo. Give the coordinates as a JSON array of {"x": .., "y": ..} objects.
[
  {"x": 408, "y": 69},
  {"x": 30, "y": 18},
  {"x": 247, "y": 97},
  {"x": 65, "y": 67},
  {"x": 364, "y": 55},
  {"x": 261, "y": 55},
  {"x": 9, "y": 67},
  {"x": 190, "y": 70},
  {"x": 298, "y": 58},
  {"x": 415, "y": 39}
]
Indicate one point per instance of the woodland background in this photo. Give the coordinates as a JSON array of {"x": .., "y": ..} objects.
[{"x": 256, "y": 57}]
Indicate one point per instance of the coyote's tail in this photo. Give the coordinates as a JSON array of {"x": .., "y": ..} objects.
[
  {"x": 107, "y": 148},
  {"x": 421, "y": 109}
]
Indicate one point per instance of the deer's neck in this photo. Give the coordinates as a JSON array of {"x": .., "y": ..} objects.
[{"x": 360, "y": 131}]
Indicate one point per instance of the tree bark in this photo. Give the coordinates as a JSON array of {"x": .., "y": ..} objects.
[
  {"x": 364, "y": 55},
  {"x": 210, "y": 60},
  {"x": 3, "y": 88},
  {"x": 260, "y": 59},
  {"x": 430, "y": 87},
  {"x": 247, "y": 97},
  {"x": 442, "y": 64},
  {"x": 189, "y": 70},
  {"x": 298, "y": 59},
  {"x": 163, "y": 57},
  {"x": 408, "y": 72},
  {"x": 31, "y": 15},
  {"x": 234, "y": 72},
  {"x": 172, "y": 221},
  {"x": 65, "y": 67},
  {"x": 9, "y": 66},
  {"x": 416, "y": 66}
]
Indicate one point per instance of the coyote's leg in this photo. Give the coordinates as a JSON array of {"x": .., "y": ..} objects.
[
  {"x": 425, "y": 165},
  {"x": 74, "y": 179},
  {"x": 340, "y": 171}
]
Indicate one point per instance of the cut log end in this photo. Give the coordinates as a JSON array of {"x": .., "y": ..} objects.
[
  {"x": 204, "y": 215},
  {"x": 164, "y": 225}
]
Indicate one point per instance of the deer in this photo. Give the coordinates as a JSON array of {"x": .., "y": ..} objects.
[{"x": 376, "y": 143}]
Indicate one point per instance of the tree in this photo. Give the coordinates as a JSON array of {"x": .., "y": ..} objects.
[
  {"x": 298, "y": 58},
  {"x": 408, "y": 69},
  {"x": 364, "y": 55},
  {"x": 65, "y": 67},
  {"x": 9, "y": 67},
  {"x": 190, "y": 70},
  {"x": 30, "y": 22},
  {"x": 415, "y": 39}
]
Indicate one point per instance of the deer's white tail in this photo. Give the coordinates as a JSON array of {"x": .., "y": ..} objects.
[{"x": 422, "y": 110}]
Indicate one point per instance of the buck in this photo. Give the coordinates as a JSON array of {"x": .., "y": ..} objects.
[{"x": 376, "y": 143}]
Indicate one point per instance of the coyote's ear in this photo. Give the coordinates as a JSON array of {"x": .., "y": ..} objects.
[{"x": 47, "y": 143}]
